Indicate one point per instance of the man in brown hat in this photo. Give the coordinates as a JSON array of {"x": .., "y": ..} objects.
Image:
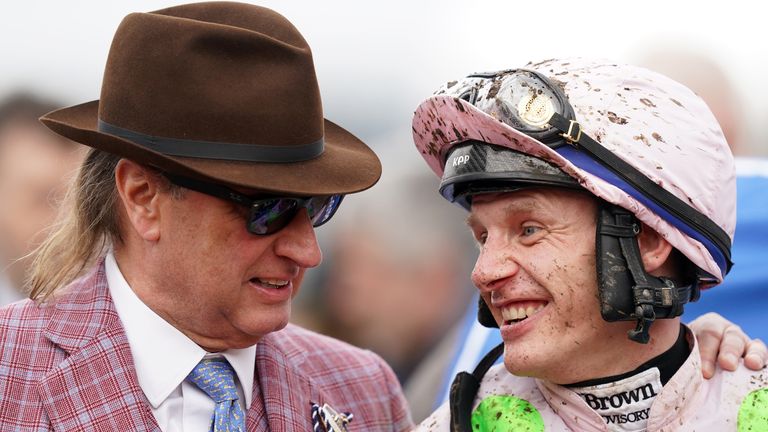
[{"x": 189, "y": 232}]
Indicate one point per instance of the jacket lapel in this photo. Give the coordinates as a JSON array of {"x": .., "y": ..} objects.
[
  {"x": 286, "y": 392},
  {"x": 95, "y": 387}
]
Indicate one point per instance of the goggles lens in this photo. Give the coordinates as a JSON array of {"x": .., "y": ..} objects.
[{"x": 520, "y": 98}]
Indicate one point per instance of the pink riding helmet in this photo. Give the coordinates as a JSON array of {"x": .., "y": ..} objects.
[{"x": 655, "y": 129}]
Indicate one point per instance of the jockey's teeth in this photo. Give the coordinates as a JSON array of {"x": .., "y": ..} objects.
[{"x": 515, "y": 313}]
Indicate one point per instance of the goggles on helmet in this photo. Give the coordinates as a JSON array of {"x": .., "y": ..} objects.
[{"x": 520, "y": 98}]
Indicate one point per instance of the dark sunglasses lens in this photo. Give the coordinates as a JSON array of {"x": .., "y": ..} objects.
[
  {"x": 322, "y": 208},
  {"x": 269, "y": 216}
]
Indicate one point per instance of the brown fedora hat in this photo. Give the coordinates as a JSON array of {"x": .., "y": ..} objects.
[{"x": 221, "y": 91}]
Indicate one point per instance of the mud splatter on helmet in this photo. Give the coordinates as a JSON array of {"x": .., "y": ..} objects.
[{"x": 646, "y": 146}]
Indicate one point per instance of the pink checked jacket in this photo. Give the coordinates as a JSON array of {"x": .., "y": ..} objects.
[{"x": 67, "y": 366}]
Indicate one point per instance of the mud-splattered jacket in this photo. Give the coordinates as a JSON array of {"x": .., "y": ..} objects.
[{"x": 730, "y": 401}]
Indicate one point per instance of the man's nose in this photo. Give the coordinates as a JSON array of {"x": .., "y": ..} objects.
[
  {"x": 495, "y": 263},
  {"x": 297, "y": 242}
]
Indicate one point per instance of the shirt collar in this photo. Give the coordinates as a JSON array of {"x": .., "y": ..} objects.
[{"x": 163, "y": 356}]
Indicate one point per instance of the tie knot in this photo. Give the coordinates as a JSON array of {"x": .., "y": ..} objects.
[{"x": 216, "y": 378}]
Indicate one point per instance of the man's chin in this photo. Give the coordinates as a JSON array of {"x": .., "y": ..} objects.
[
  {"x": 251, "y": 333},
  {"x": 520, "y": 363},
  {"x": 262, "y": 329}
]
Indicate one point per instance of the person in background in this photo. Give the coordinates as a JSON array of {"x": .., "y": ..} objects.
[
  {"x": 388, "y": 269},
  {"x": 394, "y": 281},
  {"x": 161, "y": 301},
  {"x": 571, "y": 165},
  {"x": 35, "y": 167}
]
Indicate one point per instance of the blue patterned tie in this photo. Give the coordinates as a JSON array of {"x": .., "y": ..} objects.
[{"x": 217, "y": 379}]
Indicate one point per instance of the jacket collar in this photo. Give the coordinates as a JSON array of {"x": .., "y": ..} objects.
[
  {"x": 287, "y": 391},
  {"x": 95, "y": 387}
]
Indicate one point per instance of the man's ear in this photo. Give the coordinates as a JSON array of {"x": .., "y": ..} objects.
[
  {"x": 139, "y": 191},
  {"x": 654, "y": 250}
]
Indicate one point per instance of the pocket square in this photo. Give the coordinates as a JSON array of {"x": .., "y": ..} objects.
[{"x": 327, "y": 419}]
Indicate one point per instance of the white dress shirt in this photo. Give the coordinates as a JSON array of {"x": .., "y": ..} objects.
[{"x": 164, "y": 356}]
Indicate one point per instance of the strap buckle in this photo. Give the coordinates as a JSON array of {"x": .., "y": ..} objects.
[{"x": 572, "y": 125}]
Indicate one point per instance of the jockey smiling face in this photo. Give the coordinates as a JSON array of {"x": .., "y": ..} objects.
[{"x": 602, "y": 199}]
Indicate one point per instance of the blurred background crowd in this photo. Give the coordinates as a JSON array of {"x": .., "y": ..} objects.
[{"x": 395, "y": 277}]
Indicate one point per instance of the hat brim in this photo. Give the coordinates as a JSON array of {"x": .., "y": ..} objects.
[{"x": 346, "y": 165}]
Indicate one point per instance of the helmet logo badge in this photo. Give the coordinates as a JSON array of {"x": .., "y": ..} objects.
[
  {"x": 460, "y": 160},
  {"x": 535, "y": 109}
]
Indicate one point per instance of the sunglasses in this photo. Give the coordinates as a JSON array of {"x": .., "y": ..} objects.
[{"x": 266, "y": 215}]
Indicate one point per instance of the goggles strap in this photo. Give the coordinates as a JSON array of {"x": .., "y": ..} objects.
[{"x": 571, "y": 131}]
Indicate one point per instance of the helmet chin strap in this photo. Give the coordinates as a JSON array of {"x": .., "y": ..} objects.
[
  {"x": 627, "y": 291},
  {"x": 465, "y": 387},
  {"x": 484, "y": 315}
]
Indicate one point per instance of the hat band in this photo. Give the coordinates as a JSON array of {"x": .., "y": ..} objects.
[{"x": 218, "y": 150}]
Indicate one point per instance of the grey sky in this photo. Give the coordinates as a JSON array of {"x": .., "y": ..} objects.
[{"x": 377, "y": 60}]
